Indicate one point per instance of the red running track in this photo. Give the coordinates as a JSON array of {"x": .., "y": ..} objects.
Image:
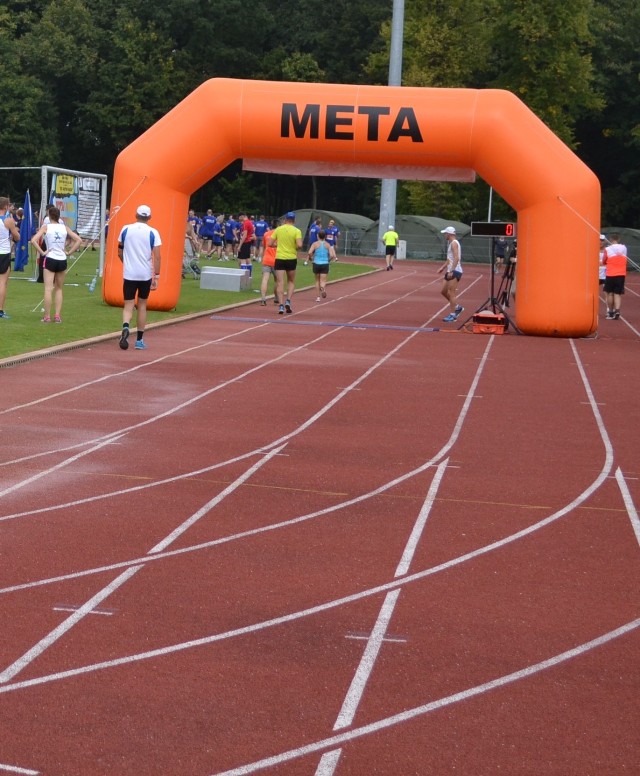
[{"x": 355, "y": 541}]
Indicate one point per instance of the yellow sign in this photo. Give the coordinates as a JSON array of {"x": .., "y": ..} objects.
[{"x": 65, "y": 184}]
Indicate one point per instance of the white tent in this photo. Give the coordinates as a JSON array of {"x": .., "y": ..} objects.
[{"x": 424, "y": 239}]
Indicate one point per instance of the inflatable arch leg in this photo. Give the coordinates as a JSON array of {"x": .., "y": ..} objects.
[{"x": 382, "y": 132}]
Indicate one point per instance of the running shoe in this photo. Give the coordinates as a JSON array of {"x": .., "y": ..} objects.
[
  {"x": 124, "y": 339},
  {"x": 57, "y": 319},
  {"x": 287, "y": 306},
  {"x": 4, "y": 315},
  {"x": 263, "y": 302},
  {"x": 46, "y": 319},
  {"x": 459, "y": 309},
  {"x": 318, "y": 299},
  {"x": 140, "y": 345},
  {"x": 449, "y": 318},
  {"x": 324, "y": 293},
  {"x": 281, "y": 310}
]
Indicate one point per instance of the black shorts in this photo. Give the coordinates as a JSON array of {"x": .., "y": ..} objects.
[
  {"x": 614, "y": 285},
  {"x": 320, "y": 269},
  {"x": 54, "y": 265},
  {"x": 129, "y": 288},
  {"x": 455, "y": 275},
  {"x": 390, "y": 250},
  {"x": 5, "y": 263},
  {"x": 286, "y": 264},
  {"x": 244, "y": 252}
]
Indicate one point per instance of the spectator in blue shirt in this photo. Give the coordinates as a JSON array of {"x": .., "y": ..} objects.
[{"x": 333, "y": 233}]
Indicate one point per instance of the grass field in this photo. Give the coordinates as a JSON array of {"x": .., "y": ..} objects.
[{"x": 84, "y": 314}]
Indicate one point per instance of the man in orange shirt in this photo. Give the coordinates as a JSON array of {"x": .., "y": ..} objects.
[
  {"x": 268, "y": 265},
  {"x": 615, "y": 260}
]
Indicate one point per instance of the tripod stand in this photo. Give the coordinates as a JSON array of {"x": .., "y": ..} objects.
[
  {"x": 504, "y": 291},
  {"x": 497, "y": 303}
]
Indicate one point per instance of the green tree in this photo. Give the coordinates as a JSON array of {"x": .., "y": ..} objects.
[
  {"x": 28, "y": 115},
  {"x": 542, "y": 53},
  {"x": 609, "y": 141},
  {"x": 136, "y": 83}
]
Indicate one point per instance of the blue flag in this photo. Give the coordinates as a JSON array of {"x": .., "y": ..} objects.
[{"x": 26, "y": 233}]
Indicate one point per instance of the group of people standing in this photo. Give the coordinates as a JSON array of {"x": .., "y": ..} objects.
[
  {"x": 54, "y": 242},
  {"x": 226, "y": 237}
]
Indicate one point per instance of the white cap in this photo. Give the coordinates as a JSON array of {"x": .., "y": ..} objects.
[
  {"x": 448, "y": 230},
  {"x": 144, "y": 211},
  {"x": 602, "y": 237},
  {"x": 390, "y": 226}
]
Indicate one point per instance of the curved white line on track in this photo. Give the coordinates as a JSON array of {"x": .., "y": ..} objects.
[
  {"x": 156, "y": 361},
  {"x": 187, "y": 403},
  {"x": 117, "y": 434},
  {"x": 58, "y": 466},
  {"x": 15, "y": 769},
  {"x": 604, "y": 473},
  {"x": 395, "y": 584},
  {"x": 302, "y": 518},
  {"x": 99, "y": 597},
  {"x": 312, "y": 610},
  {"x": 382, "y": 724}
]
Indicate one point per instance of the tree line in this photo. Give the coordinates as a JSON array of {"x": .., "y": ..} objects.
[{"x": 83, "y": 79}]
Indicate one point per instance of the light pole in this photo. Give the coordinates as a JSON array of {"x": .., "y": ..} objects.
[{"x": 389, "y": 186}]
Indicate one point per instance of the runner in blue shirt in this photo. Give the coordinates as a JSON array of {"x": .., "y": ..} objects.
[
  {"x": 333, "y": 233},
  {"x": 206, "y": 230},
  {"x": 230, "y": 236},
  {"x": 315, "y": 227},
  {"x": 261, "y": 227}
]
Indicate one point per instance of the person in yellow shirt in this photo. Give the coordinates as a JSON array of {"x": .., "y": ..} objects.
[
  {"x": 287, "y": 240},
  {"x": 390, "y": 239}
]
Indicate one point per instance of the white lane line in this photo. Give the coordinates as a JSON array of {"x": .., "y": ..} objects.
[
  {"x": 15, "y": 769},
  {"x": 370, "y": 654},
  {"x": 367, "y": 662},
  {"x": 628, "y": 502},
  {"x": 410, "y": 714},
  {"x": 328, "y": 763},
  {"x": 170, "y": 539},
  {"x": 65, "y": 626},
  {"x": 329, "y": 760},
  {"x": 100, "y": 596},
  {"x": 418, "y": 528},
  {"x": 57, "y": 467}
]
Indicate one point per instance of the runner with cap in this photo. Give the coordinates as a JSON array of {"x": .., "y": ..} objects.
[
  {"x": 452, "y": 269},
  {"x": 139, "y": 251},
  {"x": 390, "y": 239},
  {"x": 287, "y": 239},
  {"x": 602, "y": 267}
]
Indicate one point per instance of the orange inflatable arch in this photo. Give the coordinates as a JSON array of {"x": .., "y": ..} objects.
[{"x": 382, "y": 132}]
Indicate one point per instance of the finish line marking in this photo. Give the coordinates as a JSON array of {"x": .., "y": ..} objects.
[{"x": 337, "y": 324}]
